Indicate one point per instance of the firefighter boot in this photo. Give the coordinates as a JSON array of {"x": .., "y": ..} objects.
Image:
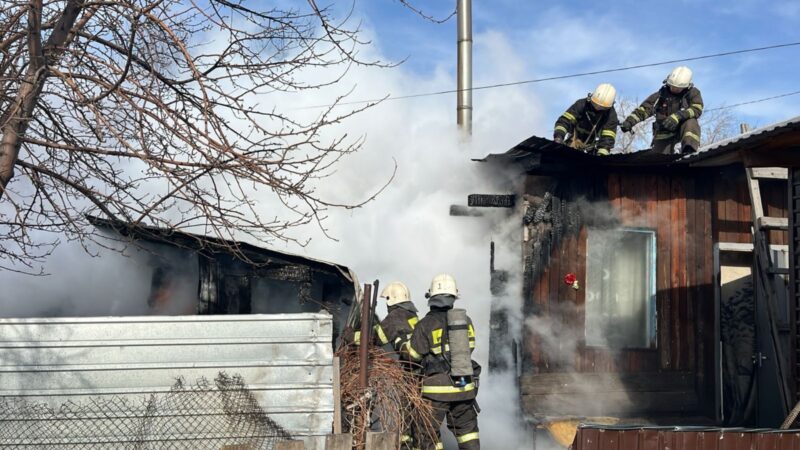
[{"x": 690, "y": 136}]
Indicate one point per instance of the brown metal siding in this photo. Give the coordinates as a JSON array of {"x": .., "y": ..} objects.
[{"x": 661, "y": 439}]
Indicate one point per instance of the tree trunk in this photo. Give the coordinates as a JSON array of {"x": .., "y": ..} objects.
[{"x": 16, "y": 119}]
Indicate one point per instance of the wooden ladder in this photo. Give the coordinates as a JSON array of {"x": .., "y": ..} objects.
[{"x": 766, "y": 269}]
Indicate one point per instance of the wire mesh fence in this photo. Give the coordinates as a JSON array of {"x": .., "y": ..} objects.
[{"x": 218, "y": 415}]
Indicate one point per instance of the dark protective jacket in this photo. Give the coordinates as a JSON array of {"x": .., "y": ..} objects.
[
  {"x": 353, "y": 336},
  {"x": 685, "y": 105},
  {"x": 588, "y": 124},
  {"x": 396, "y": 328},
  {"x": 393, "y": 331},
  {"x": 429, "y": 347}
]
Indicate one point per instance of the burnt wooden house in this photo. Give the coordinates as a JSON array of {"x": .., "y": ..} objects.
[
  {"x": 683, "y": 308},
  {"x": 190, "y": 274}
]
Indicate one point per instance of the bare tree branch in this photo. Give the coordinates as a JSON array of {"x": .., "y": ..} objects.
[
  {"x": 425, "y": 16},
  {"x": 148, "y": 111}
]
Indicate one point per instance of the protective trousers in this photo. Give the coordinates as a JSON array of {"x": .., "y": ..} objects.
[
  {"x": 462, "y": 420},
  {"x": 688, "y": 134},
  {"x": 376, "y": 424}
]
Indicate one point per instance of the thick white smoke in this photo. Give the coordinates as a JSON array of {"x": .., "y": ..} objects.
[
  {"x": 116, "y": 281},
  {"x": 406, "y": 234}
]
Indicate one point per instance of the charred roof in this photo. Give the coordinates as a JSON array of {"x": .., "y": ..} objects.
[
  {"x": 774, "y": 145},
  {"x": 209, "y": 246}
]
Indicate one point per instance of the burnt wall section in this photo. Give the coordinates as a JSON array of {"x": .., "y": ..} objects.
[
  {"x": 678, "y": 209},
  {"x": 192, "y": 274},
  {"x": 552, "y": 223},
  {"x": 620, "y": 395},
  {"x": 230, "y": 286},
  {"x": 688, "y": 212}
]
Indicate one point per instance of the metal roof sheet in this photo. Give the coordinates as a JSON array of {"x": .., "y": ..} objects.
[{"x": 735, "y": 142}]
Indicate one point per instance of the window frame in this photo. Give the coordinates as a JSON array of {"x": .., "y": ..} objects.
[{"x": 651, "y": 304}]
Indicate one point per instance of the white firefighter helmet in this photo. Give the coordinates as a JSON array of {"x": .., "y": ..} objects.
[
  {"x": 603, "y": 97},
  {"x": 396, "y": 292},
  {"x": 679, "y": 78},
  {"x": 443, "y": 284}
]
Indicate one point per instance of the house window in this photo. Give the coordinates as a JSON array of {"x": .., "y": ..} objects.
[{"x": 621, "y": 288}]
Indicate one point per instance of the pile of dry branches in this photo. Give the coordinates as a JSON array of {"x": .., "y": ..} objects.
[{"x": 393, "y": 399}]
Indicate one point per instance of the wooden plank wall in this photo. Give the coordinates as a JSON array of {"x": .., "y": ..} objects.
[
  {"x": 689, "y": 211},
  {"x": 732, "y": 213},
  {"x": 678, "y": 209},
  {"x": 733, "y": 220},
  {"x": 609, "y": 394}
]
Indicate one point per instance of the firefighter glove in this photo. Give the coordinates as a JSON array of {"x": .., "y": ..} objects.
[
  {"x": 628, "y": 124},
  {"x": 602, "y": 151},
  {"x": 671, "y": 122},
  {"x": 558, "y": 139},
  {"x": 684, "y": 114}
]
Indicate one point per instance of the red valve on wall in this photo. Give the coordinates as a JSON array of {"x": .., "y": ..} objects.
[{"x": 571, "y": 280}]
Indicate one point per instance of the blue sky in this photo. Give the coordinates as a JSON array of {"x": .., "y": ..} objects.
[{"x": 554, "y": 38}]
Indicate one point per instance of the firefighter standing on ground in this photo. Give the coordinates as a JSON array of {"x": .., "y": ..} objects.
[
  {"x": 590, "y": 122},
  {"x": 677, "y": 106},
  {"x": 396, "y": 328},
  {"x": 442, "y": 343}
]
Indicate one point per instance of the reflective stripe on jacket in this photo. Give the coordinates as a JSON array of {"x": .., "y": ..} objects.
[
  {"x": 429, "y": 347},
  {"x": 397, "y": 326},
  {"x": 663, "y": 104},
  {"x": 588, "y": 124}
]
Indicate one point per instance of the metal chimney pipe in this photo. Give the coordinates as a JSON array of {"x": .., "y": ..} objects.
[{"x": 464, "y": 101}]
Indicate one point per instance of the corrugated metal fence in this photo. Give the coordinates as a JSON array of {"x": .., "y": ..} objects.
[
  {"x": 285, "y": 360},
  {"x": 684, "y": 438}
]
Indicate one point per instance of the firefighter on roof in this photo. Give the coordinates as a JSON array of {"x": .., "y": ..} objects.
[
  {"x": 590, "y": 124},
  {"x": 677, "y": 106},
  {"x": 442, "y": 343}
]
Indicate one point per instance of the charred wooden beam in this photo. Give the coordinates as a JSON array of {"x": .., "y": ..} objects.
[
  {"x": 500, "y": 342},
  {"x": 288, "y": 272},
  {"x": 464, "y": 211},
  {"x": 491, "y": 200},
  {"x": 498, "y": 282},
  {"x": 500, "y": 339},
  {"x": 302, "y": 276}
]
